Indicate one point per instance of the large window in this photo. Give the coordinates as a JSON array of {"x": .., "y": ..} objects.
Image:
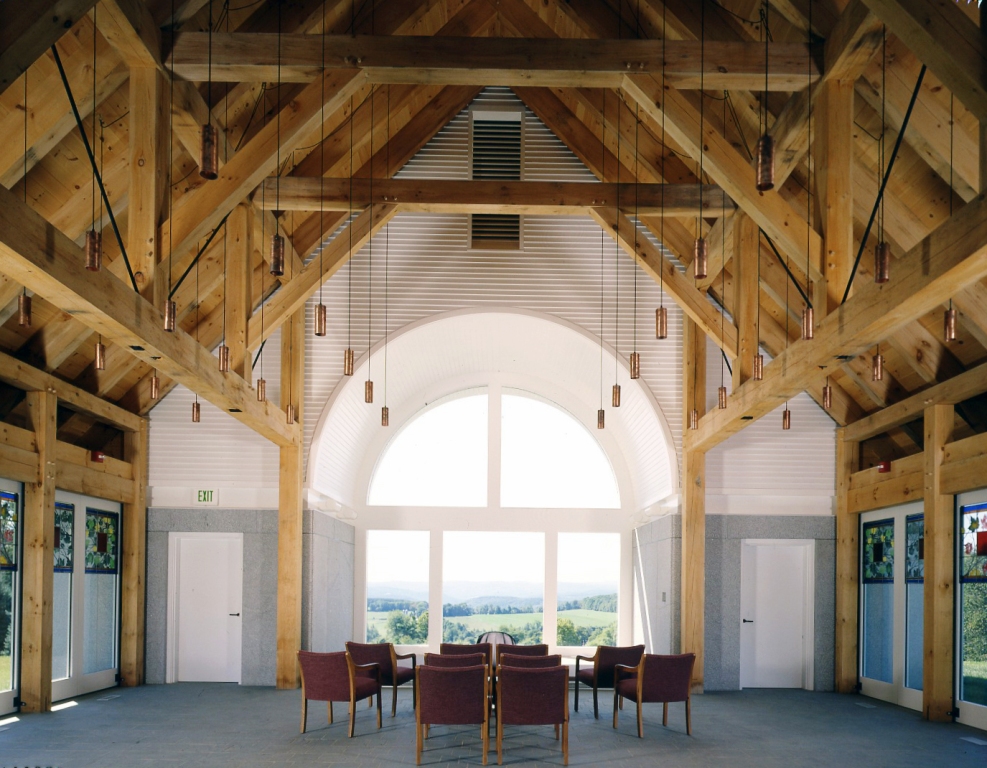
[
  {"x": 973, "y": 603},
  {"x": 397, "y": 587},
  {"x": 493, "y": 581},
  {"x": 589, "y": 575},
  {"x": 9, "y": 560}
]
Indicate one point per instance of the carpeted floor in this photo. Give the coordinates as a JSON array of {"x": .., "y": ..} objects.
[{"x": 207, "y": 725}]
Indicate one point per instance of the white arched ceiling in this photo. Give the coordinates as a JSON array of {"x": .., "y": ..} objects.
[{"x": 470, "y": 348}]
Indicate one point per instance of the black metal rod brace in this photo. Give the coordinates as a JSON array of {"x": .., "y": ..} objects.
[
  {"x": 198, "y": 255},
  {"x": 791, "y": 277},
  {"x": 884, "y": 182},
  {"x": 92, "y": 162}
]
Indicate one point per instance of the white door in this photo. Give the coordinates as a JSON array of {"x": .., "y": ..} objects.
[
  {"x": 776, "y": 609},
  {"x": 208, "y": 589}
]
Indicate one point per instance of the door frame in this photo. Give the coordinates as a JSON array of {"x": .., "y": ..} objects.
[
  {"x": 808, "y": 547},
  {"x": 8, "y": 698},
  {"x": 970, "y": 714},
  {"x": 171, "y": 611}
]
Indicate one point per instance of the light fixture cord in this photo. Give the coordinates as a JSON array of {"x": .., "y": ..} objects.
[
  {"x": 884, "y": 130},
  {"x": 387, "y": 240},
  {"x": 808, "y": 179},
  {"x": 603, "y": 174},
  {"x": 209, "y": 67},
  {"x": 277, "y": 181},
  {"x": 370, "y": 240},
  {"x": 664, "y": 149},
  {"x": 95, "y": 35},
  {"x": 950, "y": 169},
  {"x": 723, "y": 250},
  {"x": 637, "y": 206},
  {"x": 171, "y": 151},
  {"x": 349, "y": 227},
  {"x": 702, "y": 109},
  {"x": 101, "y": 166},
  {"x": 616, "y": 249},
  {"x": 322, "y": 159},
  {"x": 25, "y": 147}
]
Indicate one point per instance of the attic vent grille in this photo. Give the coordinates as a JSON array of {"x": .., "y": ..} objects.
[{"x": 496, "y": 157}]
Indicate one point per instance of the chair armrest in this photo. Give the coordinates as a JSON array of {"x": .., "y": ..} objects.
[
  {"x": 375, "y": 667},
  {"x": 624, "y": 669},
  {"x": 412, "y": 656},
  {"x": 585, "y": 658}
]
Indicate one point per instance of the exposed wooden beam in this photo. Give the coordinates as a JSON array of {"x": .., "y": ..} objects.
[
  {"x": 39, "y": 256},
  {"x": 876, "y": 489},
  {"x": 847, "y": 566},
  {"x": 964, "y": 465},
  {"x": 133, "y": 584},
  {"x": 237, "y": 301},
  {"x": 446, "y": 60},
  {"x": 951, "y": 257},
  {"x": 746, "y": 295},
  {"x": 454, "y": 196},
  {"x": 129, "y": 27}
]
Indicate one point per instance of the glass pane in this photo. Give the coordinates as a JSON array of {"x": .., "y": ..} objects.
[
  {"x": 878, "y": 609},
  {"x": 493, "y": 581},
  {"x": 439, "y": 459},
  {"x": 397, "y": 587},
  {"x": 914, "y": 599},
  {"x": 589, "y": 576},
  {"x": 973, "y": 585},
  {"x": 99, "y": 645},
  {"x": 548, "y": 459},
  {"x": 61, "y": 618},
  {"x": 8, "y": 584}
]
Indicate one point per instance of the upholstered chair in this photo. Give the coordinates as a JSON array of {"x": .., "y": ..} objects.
[
  {"x": 656, "y": 679},
  {"x": 600, "y": 675}
]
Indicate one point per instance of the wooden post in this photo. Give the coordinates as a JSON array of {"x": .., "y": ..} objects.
[
  {"x": 834, "y": 171},
  {"x": 847, "y": 566},
  {"x": 937, "y": 671},
  {"x": 148, "y": 174},
  {"x": 38, "y": 559},
  {"x": 239, "y": 251},
  {"x": 133, "y": 582},
  {"x": 746, "y": 292},
  {"x": 289, "y": 631},
  {"x": 694, "y": 506}
]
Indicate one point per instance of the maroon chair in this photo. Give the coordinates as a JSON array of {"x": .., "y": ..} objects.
[
  {"x": 328, "y": 677},
  {"x": 453, "y": 649},
  {"x": 496, "y": 638},
  {"x": 656, "y": 678},
  {"x": 527, "y": 650},
  {"x": 533, "y": 697},
  {"x": 455, "y": 660},
  {"x": 601, "y": 675},
  {"x": 529, "y": 662},
  {"x": 456, "y": 696},
  {"x": 391, "y": 674}
]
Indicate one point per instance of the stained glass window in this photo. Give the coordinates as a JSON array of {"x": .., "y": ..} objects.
[
  {"x": 974, "y": 542},
  {"x": 102, "y": 533},
  {"x": 64, "y": 538},
  {"x": 878, "y": 544},
  {"x": 8, "y": 531},
  {"x": 915, "y": 547}
]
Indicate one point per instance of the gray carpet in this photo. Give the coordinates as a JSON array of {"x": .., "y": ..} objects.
[{"x": 206, "y": 725}]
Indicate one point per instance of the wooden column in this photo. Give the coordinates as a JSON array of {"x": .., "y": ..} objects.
[
  {"x": 38, "y": 559},
  {"x": 290, "y": 507},
  {"x": 937, "y": 672},
  {"x": 693, "y": 506},
  {"x": 133, "y": 583},
  {"x": 746, "y": 288},
  {"x": 240, "y": 247},
  {"x": 847, "y": 566},
  {"x": 834, "y": 169},
  {"x": 148, "y": 174}
]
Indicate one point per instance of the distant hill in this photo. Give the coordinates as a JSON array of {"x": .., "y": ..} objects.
[
  {"x": 401, "y": 590},
  {"x": 508, "y": 594}
]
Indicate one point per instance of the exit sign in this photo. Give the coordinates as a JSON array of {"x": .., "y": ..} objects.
[{"x": 206, "y": 497}]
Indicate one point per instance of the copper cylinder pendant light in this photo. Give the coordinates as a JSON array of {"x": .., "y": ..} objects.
[
  {"x": 170, "y": 312},
  {"x": 758, "y": 372},
  {"x": 385, "y": 416},
  {"x": 616, "y": 396},
  {"x": 700, "y": 255},
  {"x": 949, "y": 324},
  {"x": 368, "y": 391},
  {"x": 827, "y": 397},
  {"x": 765, "y": 154},
  {"x": 155, "y": 386},
  {"x": 635, "y": 365},
  {"x": 877, "y": 367},
  {"x": 348, "y": 362},
  {"x": 661, "y": 323},
  {"x": 600, "y": 419},
  {"x": 721, "y": 397},
  {"x": 694, "y": 419},
  {"x": 882, "y": 263},
  {"x": 277, "y": 255},
  {"x": 808, "y": 324},
  {"x": 209, "y": 153},
  {"x": 786, "y": 418},
  {"x": 94, "y": 250},
  {"x": 100, "y": 356},
  {"x": 196, "y": 412},
  {"x": 24, "y": 310},
  {"x": 289, "y": 413},
  {"x": 261, "y": 390},
  {"x": 224, "y": 358},
  {"x": 320, "y": 320}
]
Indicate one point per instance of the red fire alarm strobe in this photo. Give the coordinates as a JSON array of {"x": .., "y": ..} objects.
[
  {"x": 97, "y": 456},
  {"x": 883, "y": 466}
]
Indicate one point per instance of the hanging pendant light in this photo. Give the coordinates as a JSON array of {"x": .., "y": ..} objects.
[
  {"x": 24, "y": 310},
  {"x": 289, "y": 413},
  {"x": 385, "y": 416},
  {"x": 721, "y": 397},
  {"x": 808, "y": 324},
  {"x": 348, "y": 362},
  {"x": 155, "y": 386},
  {"x": 694, "y": 419},
  {"x": 949, "y": 323},
  {"x": 224, "y": 358},
  {"x": 600, "y": 419},
  {"x": 94, "y": 250},
  {"x": 100, "y": 355},
  {"x": 765, "y": 163},
  {"x": 827, "y": 396},
  {"x": 277, "y": 255},
  {"x": 170, "y": 314},
  {"x": 320, "y": 320},
  {"x": 261, "y": 390},
  {"x": 368, "y": 391},
  {"x": 758, "y": 372},
  {"x": 635, "y": 365},
  {"x": 700, "y": 255},
  {"x": 877, "y": 366},
  {"x": 209, "y": 153},
  {"x": 882, "y": 263},
  {"x": 661, "y": 323},
  {"x": 616, "y": 396},
  {"x": 196, "y": 412},
  {"x": 786, "y": 418}
]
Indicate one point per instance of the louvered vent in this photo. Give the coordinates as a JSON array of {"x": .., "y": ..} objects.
[{"x": 496, "y": 157}]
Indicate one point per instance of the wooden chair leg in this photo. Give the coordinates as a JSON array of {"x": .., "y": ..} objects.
[
  {"x": 640, "y": 720},
  {"x": 428, "y": 729},
  {"x": 330, "y": 711},
  {"x": 565, "y": 743},
  {"x": 576, "y": 704},
  {"x": 615, "y": 707},
  {"x": 370, "y": 703},
  {"x": 500, "y": 740},
  {"x": 304, "y": 711},
  {"x": 596, "y": 704},
  {"x": 418, "y": 742},
  {"x": 556, "y": 731},
  {"x": 664, "y": 713},
  {"x": 378, "y": 713},
  {"x": 352, "y": 716},
  {"x": 485, "y": 739},
  {"x": 688, "y": 715},
  {"x": 394, "y": 701},
  {"x": 621, "y": 703}
]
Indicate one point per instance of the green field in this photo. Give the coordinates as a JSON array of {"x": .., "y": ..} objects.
[{"x": 485, "y": 622}]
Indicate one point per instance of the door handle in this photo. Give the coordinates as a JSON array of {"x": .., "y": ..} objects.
[
  {"x": 234, "y": 614},
  {"x": 748, "y": 621}
]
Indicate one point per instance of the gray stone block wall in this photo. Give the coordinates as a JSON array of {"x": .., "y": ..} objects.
[
  {"x": 657, "y": 569},
  {"x": 327, "y": 583}
]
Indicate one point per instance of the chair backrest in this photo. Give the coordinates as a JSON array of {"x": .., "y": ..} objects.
[
  {"x": 527, "y": 650},
  {"x": 608, "y": 656},
  {"x": 529, "y": 662},
  {"x": 458, "y": 649},
  {"x": 455, "y": 660},
  {"x": 456, "y": 696},
  {"x": 372, "y": 653},
  {"x": 667, "y": 678},
  {"x": 325, "y": 676},
  {"x": 533, "y": 696}
]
